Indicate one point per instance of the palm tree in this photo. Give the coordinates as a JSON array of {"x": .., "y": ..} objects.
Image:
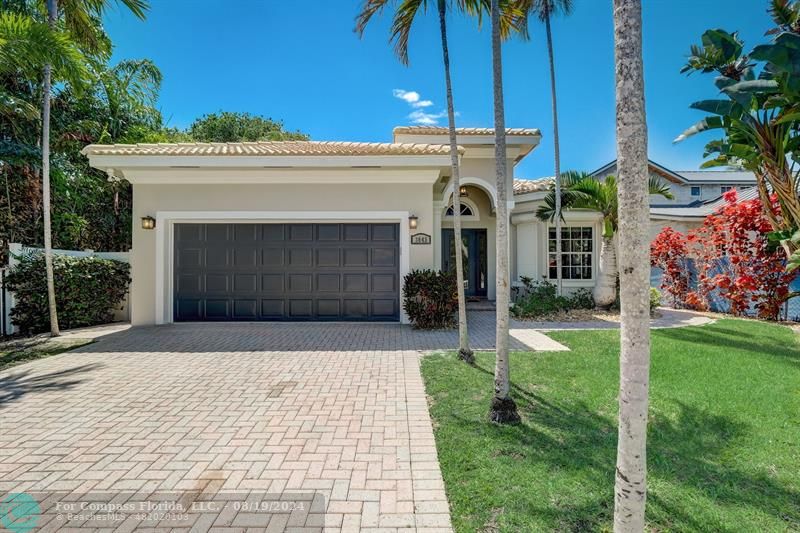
[
  {"x": 404, "y": 17},
  {"x": 584, "y": 191},
  {"x": 503, "y": 409},
  {"x": 630, "y": 488},
  {"x": 81, "y": 17},
  {"x": 544, "y": 10}
]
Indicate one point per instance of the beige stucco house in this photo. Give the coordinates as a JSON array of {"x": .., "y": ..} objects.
[{"x": 303, "y": 230}]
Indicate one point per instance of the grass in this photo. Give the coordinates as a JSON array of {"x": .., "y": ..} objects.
[
  {"x": 13, "y": 353},
  {"x": 723, "y": 444}
]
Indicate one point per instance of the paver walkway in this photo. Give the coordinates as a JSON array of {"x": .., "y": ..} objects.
[{"x": 332, "y": 418}]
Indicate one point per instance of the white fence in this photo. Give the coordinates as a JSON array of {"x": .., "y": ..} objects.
[{"x": 15, "y": 251}]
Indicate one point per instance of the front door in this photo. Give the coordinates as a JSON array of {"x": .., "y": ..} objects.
[{"x": 473, "y": 246}]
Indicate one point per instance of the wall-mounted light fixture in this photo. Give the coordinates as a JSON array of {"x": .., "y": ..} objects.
[
  {"x": 148, "y": 223},
  {"x": 412, "y": 221},
  {"x": 462, "y": 191}
]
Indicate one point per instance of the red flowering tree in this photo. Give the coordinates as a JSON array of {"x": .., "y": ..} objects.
[
  {"x": 669, "y": 252},
  {"x": 733, "y": 256}
]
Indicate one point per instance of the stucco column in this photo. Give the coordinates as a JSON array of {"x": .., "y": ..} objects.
[{"x": 437, "y": 235}]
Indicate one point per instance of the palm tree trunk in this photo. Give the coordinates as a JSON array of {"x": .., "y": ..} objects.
[
  {"x": 631, "y": 472},
  {"x": 605, "y": 290},
  {"x": 556, "y": 146},
  {"x": 464, "y": 351},
  {"x": 503, "y": 409},
  {"x": 52, "y": 13}
]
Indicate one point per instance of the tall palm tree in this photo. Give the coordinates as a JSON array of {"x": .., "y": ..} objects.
[
  {"x": 544, "y": 10},
  {"x": 584, "y": 191},
  {"x": 503, "y": 409},
  {"x": 405, "y": 14},
  {"x": 81, "y": 18},
  {"x": 630, "y": 488}
]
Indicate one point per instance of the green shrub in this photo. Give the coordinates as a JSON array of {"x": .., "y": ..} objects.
[
  {"x": 581, "y": 299},
  {"x": 540, "y": 298},
  {"x": 655, "y": 299},
  {"x": 430, "y": 299},
  {"x": 87, "y": 290}
]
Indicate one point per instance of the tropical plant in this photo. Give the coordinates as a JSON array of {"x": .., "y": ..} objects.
[
  {"x": 630, "y": 486},
  {"x": 669, "y": 252},
  {"x": 82, "y": 18},
  {"x": 429, "y": 299},
  {"x": 544, "y": 10},
  {"x": 406, "y": 12},
  {"x": 584, "y": 191},
  {"x": 759, "y": 115},
  {"x": 503, "y": 408}
]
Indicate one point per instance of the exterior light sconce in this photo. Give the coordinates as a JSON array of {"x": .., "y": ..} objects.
[
  {"x": 462, "y": 191},
  {"x": 412, "y": 221},
  {"x": 148, "y": 223}
]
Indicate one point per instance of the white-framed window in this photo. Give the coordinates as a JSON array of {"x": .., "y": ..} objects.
[
  {"x": 725, "y": 188},
  {"x": 469, "y": 211},
  {"x": 466, "y": 211},
  {"x": 695, "y": 191},
  {"x": 577, "y": 252}
]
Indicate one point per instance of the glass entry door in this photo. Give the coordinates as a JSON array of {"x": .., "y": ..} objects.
[{"x": 473, "y": 248}]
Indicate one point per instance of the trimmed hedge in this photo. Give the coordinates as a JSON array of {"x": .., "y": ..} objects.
[
  {"x": 87, "y": 290},
  {"x": 430, "y": 299}
]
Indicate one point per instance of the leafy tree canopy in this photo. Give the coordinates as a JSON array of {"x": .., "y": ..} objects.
[{"x": 229, "y": 126}]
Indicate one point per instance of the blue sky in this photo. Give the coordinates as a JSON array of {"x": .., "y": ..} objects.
[{"x": 307, "y": 67}]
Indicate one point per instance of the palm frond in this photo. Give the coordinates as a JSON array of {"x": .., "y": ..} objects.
[
  {"x": 26, "y": 45},
  {"x": 402, "y": 24}
]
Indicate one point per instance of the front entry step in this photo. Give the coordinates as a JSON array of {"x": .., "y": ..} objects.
[{"x": 480, "y": 305}]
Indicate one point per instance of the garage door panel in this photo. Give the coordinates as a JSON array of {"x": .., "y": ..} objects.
[
  {"x": 272, "y": 283},
  {"x": 328, "y": 282},
  {"x": 272, "y": 232},
  {"x": 300, "y": 257},
  {"x": 217, "y": 309},
  {"x": 385, "y": 308},
  {"x": 272, "y": 309},
  {"x": 218, "y": 282},
  {"x": 272, "y": 257},
  {"x": 245, "y": 309},
  {"x": 328, "y": 232},
  {"x": 356, "y": 232},
  {"x": 384, "y": 232},
  {"x": 384, "y": 283},
  {"x": 300, "y": 283},
  {"x": 329, "y": 308},
  {"x": 356, "y": 308},
  {"x": 218, "y": 232},
  {"x": 328, "y": 257},
  {"x": 245, "y": 282},
  {"x": 295, "y": 271},
  {"x": 355, "y": 257}
]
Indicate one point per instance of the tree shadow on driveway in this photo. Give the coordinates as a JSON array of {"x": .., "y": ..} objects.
[{"x": 17, "y": 384}]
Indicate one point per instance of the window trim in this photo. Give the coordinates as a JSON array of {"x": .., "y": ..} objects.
[
  {"x": 474, "y": 217},
  {"x": 594, "y": 254},
  {"x": 699, "y": 190}
]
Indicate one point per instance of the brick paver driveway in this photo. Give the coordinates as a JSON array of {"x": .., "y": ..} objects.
[{"x": 202, "y": 412}]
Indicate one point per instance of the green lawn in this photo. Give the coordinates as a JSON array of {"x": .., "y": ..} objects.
[
  {"x": 723, "y": 446},
  {"x": 17, "y": 352}
]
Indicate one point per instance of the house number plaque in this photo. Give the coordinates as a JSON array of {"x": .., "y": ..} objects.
[{"x": 420, "y": 238}]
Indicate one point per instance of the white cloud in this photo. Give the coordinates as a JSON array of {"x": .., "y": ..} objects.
[
  {"x": 426, "y": 119},
  {"x": 418, "y": 115}
]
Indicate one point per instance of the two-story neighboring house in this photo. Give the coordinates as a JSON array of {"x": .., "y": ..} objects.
[{"x": 697, "y": 194}]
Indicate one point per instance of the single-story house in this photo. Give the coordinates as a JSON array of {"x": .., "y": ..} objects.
[{"x": 307, "y": 230}]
